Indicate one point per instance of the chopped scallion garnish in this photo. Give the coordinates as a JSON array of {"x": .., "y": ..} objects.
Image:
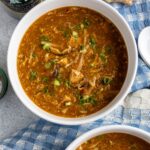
[
  {"x": 103, "y": 57},
  {"x": 46, "y": 45},
  {"x": 87, "y": 100},
  {"x": 77, "y": 27},
  {"x": 86, "y": 23},
  {"x": 33, "y": 75},
  {"x": 68, "y": 83},
  {"x": 108, "y": 49},
  {"x": 49, "y": 64},
  {"x": 33, "y": 55},
  {"x": 56, "y": 82},
  {"x": 106, "y": 80},
  {"x": 67, "y": 33},
  {"x": 45, "y": 89},
  {"x": 75, "y": 35},
  {"x": 45, "y": 42},
  {"x": 92, "y": 42},
  {"x": 44, "y": 38},
  {"x": 82, "y": 47},
  {"x": 45, "y": 79}
]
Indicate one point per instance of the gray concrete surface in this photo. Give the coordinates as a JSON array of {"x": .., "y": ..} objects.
[{"x": 13, "y": 114}]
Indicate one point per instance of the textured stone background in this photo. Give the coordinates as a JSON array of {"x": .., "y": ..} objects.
[{"x": 13, "y": 114}]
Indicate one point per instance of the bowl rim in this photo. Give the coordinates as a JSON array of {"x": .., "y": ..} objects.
[
  {"x": 137, "y": 132},
  {"x": 15, "y": 81}
]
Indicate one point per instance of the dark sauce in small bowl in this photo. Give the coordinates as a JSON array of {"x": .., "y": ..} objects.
[{"x": 17, "y": 8}]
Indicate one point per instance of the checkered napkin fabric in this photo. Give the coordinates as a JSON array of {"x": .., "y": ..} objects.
[{"x": 43, "y": 135}]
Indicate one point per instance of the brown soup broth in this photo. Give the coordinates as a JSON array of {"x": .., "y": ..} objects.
[
  {"x": 115, "y": 141},
  {"x": 72, "y": 65}
]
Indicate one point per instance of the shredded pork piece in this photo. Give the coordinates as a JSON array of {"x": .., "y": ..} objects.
[
  {"x": 69, "y": 64},
  {"x": 97, "y": 62},
  {"x": 76, "y": 76},
  {"x": 83, "y": 84},
  {"x": 84, "y": 51},
  {"x": 87, "y": 86},
  {"x": 76, "y": 59},
  {"x": 56, "y": 30},
  {"x": 83, "y": 111},
  {"x": 63, "y": 61},
  {"x": 86, "y": 46},
  {"x": 25, "y": 61},
  {"x": 62, "y": 102},
  {"x": 94, "y": 145},
  {"x": 88, "y": 91},
  {"x": 56, "y": 51},
  {"x": 46, "y": 57},
  {"x": 93, "y": 82},
  {"x": 30, "y": 58},
  {"x": 67, "y": 98},
  {"x": 85, "y": 37},
  {"x": 75, "y": 42},
  {"x": 64, "y": 111},
  {"x": 81, "y": 61},
  {"x": 90, "y": 52},
  {"x": 32, "y": 51}
]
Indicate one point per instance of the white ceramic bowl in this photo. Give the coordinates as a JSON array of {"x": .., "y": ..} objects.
[
  {"x": 41, "y": 9},
  {"x": 109, "y": 129}
]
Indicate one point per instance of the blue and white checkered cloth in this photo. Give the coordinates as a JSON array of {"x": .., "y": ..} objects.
[{"x": 43, "y": 135}]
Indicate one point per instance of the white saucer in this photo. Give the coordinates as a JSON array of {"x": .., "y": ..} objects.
[{"x": 144, "y": 45}]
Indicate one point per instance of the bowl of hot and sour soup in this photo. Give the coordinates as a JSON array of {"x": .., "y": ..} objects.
[
  {"x": 72, "y": 62},
  {"x": 112, "y": 137}
]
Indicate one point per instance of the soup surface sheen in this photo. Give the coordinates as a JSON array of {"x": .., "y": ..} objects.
[
  {"x": 115, "y": 141},
  {"x": 72, "y": 62}
]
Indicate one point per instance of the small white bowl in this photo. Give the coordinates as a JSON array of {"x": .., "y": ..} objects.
[
  {"x": 144, "y": 45},
  {"x": 41, "y": 9},
  {"x": 109, "y": 129}
]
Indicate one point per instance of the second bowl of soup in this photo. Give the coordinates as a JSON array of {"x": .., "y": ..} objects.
[{"x": 117, "y": 137}]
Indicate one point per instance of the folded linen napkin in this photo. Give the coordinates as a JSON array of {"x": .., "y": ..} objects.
[{"x": 43, "y": 135}]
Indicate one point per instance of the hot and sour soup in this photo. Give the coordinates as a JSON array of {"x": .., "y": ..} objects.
[
  {"x": 115, "y": 141},
  {"x": 72, "y": 65}
]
